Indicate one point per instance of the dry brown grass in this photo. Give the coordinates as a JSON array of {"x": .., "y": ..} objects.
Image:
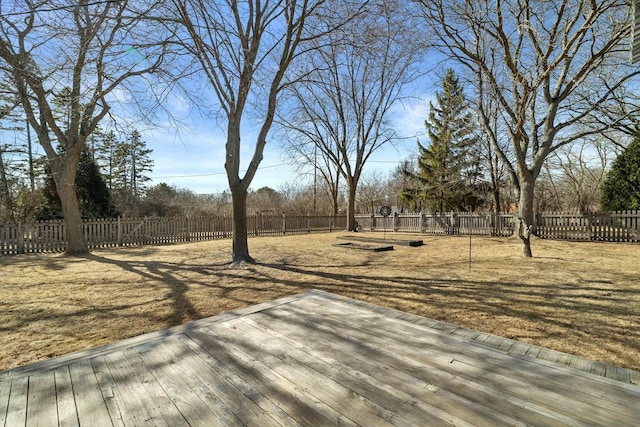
[{"x": 580, "y": 298}]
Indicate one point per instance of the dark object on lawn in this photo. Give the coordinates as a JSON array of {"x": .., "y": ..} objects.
[
  {"x": 351, "y": 245},
  {"x": 413, "y": 243}
]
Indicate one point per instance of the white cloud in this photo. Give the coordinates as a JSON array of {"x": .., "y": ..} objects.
[{"x": 409, "y": 117}]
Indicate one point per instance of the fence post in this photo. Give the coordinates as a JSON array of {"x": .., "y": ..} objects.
[
  {"x": 20, "y": 237},
  {"x": 284, "y": 223},
  {"x": 119, "y": 232},
  {"x": 255, "y": 224},
  {"x": 494, "y": 223},
  {"x": 589, "y": 222},
  {"x": 187, "y": 229},
  {"x": 453, "y": 223}
]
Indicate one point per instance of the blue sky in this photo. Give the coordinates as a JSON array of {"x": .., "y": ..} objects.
[{"x": 193, "y": 157}]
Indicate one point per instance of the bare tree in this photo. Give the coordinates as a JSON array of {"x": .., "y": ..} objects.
[
  {"x": 244, "y": 50},
  {"x": 551, "y": 67},
  {"x": 576, "y": 172},
  {"x": 86, "y": 47},
  {"x": 344, "y": 108}
]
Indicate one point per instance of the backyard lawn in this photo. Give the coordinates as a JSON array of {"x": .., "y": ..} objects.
[{"x": 579, "y": 298}]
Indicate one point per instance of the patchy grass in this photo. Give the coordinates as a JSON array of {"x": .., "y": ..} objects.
[{"x": 580, "y": 298}]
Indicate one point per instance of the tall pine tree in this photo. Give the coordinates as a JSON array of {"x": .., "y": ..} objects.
[
  {"x": 448, "y": 166},
  {"x": 131, "y": 162}
]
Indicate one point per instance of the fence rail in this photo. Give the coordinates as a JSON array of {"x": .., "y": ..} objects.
[
  {"x": 619, "y": 226},
  {"x": 49, "y": 236}
]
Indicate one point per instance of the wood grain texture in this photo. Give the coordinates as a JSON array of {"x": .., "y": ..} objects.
[{"x": 318, "y": 359}]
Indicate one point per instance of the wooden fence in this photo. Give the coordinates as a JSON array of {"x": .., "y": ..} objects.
[
  {"x": 619, "y": 226},
  {"x": 49, "y": 236},
  {"x": 462, "y": 223}
]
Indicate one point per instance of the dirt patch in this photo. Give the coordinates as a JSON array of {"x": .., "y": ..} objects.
[{"x": 579, "y": 298}]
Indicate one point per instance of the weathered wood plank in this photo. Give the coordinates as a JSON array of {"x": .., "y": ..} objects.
[
  {"x": 503, "y": 344},
  {"x": 445, "y": 343},
  {"x": 5, "y": 391},
  {"x": 141, "y": 339},
  {"x": 17, "y": 405},
  {"x": 206, "y": 402},
  {"x": 153, "y": 391},
  {"x": 41, "y": 407},
  {"x": 519, "y": 348},
  {"x": 548, "y": 397},
  {"x": 534, "y": 350},
  {"x": 88, "y": 397},
  {"x": 218, "y": 369},
  {"x": 137, "y": 403},
  {"x": 112, "y": 398},
  {"x": 181, "y": 388},
  {"x": 295, "y": 402},
  {"x": 318, "y": 359},
  {"x": 66, "y": 404},
  {"x": 276, "y": 357},
  {"x": 361, "y": 373},
  {"x": 440, "y": 376}
]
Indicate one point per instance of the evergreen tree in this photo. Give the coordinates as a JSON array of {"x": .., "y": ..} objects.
[
  {"x": 621, "y": 189},
  {"x": 93, "y": 195},
  {"x": 104, "y": 146},
  {"x": 130, "y": 163},
  {"x": 448, "y": 166}
]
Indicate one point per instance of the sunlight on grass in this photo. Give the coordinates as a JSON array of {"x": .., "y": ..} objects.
[{"x": 579, "y": 298}]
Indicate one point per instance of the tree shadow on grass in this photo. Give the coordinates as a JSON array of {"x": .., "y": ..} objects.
[
  {"x": 563, "y": 311},
  {"x": 551, "y": 311},
  {"x": 556, "y": 313}
]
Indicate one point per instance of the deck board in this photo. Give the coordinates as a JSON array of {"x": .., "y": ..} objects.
[
  {"x": 450, "y": 374},
  {"x": 17, "y": 406},
  {"x": 42, "y": 404},
  {"x": 5, "y": 391},
  {"x": 441, "y": 347},
  {"x": 318, "y": 359},
  {"x": 65, "y": 401}
]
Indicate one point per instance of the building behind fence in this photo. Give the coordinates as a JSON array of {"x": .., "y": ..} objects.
[{"x": 49, "y": 236}]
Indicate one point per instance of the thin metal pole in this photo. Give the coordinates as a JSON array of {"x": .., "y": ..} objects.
[{"x": 469, "y": 246}]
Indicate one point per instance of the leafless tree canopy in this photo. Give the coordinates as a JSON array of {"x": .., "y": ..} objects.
[
  {"x": 245, "y": 50},
  {"x": 342, "y": 110},
  {"x": 91, "y": 49},
  {"x": 551, "y": 68}
]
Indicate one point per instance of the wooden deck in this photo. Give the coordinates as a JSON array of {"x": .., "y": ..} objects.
[{"x": 317, "y": 359}]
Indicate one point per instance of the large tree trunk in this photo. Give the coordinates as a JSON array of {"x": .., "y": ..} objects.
[
  {"x": 352, "y": 225},
  {"x": 526, "y": 226},
  {"x": 65, "y": 181},
  {"x": 240, "y": 244}
]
